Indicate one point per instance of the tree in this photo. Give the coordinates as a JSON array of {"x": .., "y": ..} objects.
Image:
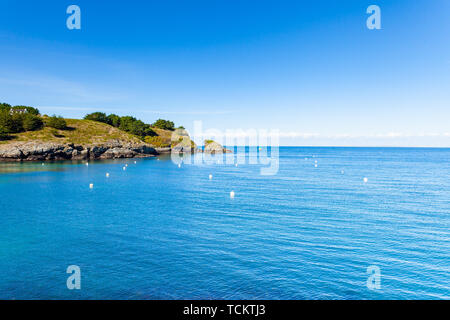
[
  {"x": 97, "y": 116},
  {"x": 3, "y": 134},
  {"x": 164, "y": 124},
  {"x": 32, "y": 122},
  {"x": 25, "y": 109},
  {"x": 5, "y": 107},
  {"x": 136, "y": 127},
  {"x": 114, "y": 120},
  {"x": 126, "y": 122},
  {"x": 6, "y": 121},
  {"x": 56, "y": 122}
]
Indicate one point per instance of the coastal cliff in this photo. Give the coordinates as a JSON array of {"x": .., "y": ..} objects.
[
  {"x": 39, "y": 151},
  {"x": 81, "y": 140},
  {"x": 25, "y": 135}
]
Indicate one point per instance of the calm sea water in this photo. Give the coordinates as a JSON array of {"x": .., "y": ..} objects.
[{"x": 157, "y": 231}]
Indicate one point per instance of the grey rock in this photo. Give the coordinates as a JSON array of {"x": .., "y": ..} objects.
[{"x": 39, "y": 151}]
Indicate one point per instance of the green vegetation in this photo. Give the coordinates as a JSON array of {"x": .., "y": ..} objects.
[
  {"x": 18, "y": 119},
  {"x": 56, "y": 122},
  {"x": 32, "y": 122},
  {"x": 82, "y": 132},
  {"x": 157, "y": 142},
  {"x": 3, "y": 135},
  {"x": 23, "y": 123},
  {"x": 208, "y": 142},
  {"x": 164, "y": 124},
  {"x": 97, "y": 116},
  {"x": 132, "y": 125}
]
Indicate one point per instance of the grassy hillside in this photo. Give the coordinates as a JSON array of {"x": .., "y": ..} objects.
[
  {"x": 87, "y": 132},
  {"x": 78, "y": 132}
]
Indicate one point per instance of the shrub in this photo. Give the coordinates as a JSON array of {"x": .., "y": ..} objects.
[
  {"x": 157, "y": 142},
  {"x": 3, "y": 135},
  {"x": 164, "y": 124},
  {"x": 125, "y": 123},
  {"x": 97, "y": 116},
  {"x": 6, "y": 121},
  {"x": 32, "y": 122},
  {"x": 25, "y": 110},
  {"x": 56, "y": 122},
  {"x": 19, "y": 118},
  {"x": 5, "y": 107},
  {"x": 114, "y": 120},
  {"x": 136, "y": 127}
]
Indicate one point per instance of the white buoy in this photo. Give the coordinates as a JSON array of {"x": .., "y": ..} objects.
[
  {"x": 91, "y": 186},
  {"x": 315, "y": 161},
  {"x": 210, "y": 177},
  {"x": 87, "y": 163},
  {"x": 124, "y": 168},
  {"x": 232, "y": 194},
  {"x": 107, "y": 175},
  {"x": 236, "y": 165},
  {"x": 126, "y": 165},
  {"x": 135, "y": 162},
  {"x": 179, "y": 165},
  {"x": 366, "y": 180},
  {"x": 315, "y": 165},
  {"x": 43, "y": 164},
  {"x": 342, "y": 172}
]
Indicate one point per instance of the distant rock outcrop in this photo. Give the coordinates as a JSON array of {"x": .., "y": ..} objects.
[{"x": 214, "y": 147}]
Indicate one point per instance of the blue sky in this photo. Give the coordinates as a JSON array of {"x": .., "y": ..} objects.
[{"x": 311, "y": 69}]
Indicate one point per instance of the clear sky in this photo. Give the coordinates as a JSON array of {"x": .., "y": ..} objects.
[{"x": 311, "y": 69}]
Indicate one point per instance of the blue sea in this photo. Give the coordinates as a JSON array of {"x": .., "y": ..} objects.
[{"x": 161, "y": 231}]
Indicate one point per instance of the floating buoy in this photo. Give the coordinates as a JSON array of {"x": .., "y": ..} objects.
[
  {"x": 210, "y": 177},
  {"x": 124, "y": 168},
  {"x": 107, "y": 175},
  {"x": 236, "y": 165},
  {"x": 342, "y": 172},
  {"x": 179, "y": 165},
  {"x": 126, "y": 165},
  {"x": 232, "y": 194},
  {"x": 315, "y": 165},
  {"x": 43, "y": 164},
  {"x": 365, "y": 180},
  {"x": 87, "y": 163},
  {"x": 91, "y": 186},
  {"x": 135, "y": 162}
]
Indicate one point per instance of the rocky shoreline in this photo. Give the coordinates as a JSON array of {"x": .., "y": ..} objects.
[
  {"x": 43, "y": 151},
  {"x": 50, "y": 151}
]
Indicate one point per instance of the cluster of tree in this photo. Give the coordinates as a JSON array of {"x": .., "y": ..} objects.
[
  {"x": 22, "y": 118},
  {"x": 56, "y": 122},
  {"x": 131, "y": 124},
  {"x": 19, "y": 118},
  {"x": 164, "y": 124}
]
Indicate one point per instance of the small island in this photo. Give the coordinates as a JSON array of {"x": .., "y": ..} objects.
[{"x": 26, "y": 135}]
